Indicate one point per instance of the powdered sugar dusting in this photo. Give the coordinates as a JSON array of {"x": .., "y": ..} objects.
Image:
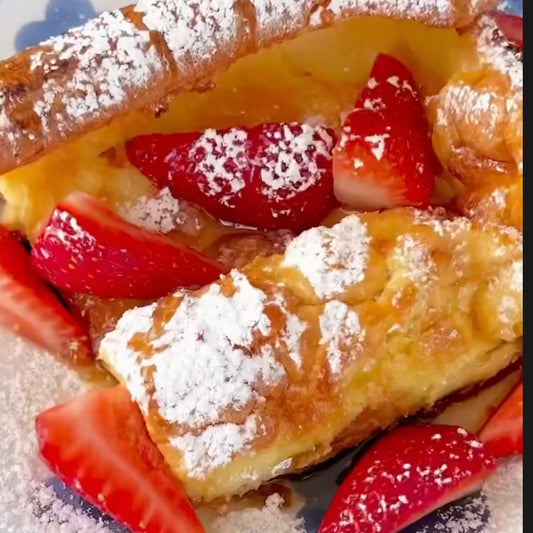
[
  {"x": 215, "y": 447},
  {"x": 201, "y": 362},
  {"x": 341, "y": 332},
  {"x": 494, "y": 52},
  {"x": 372, "y": 83},
  {"x": 5, "y": 122},
  {"x": 32, "y": 382},
  {"x": 377, "y": 143},
  {"x": 436, "y": 11},
  {"x": 10, "y": 135},
  {"x": 271, "y": 518},
  {"x": 122, "y": 357},
  {"x": 287, "y": 159},
  {"x": 293, "y": 338},
  {"x": 510, "y": 285},
  {"x": 204, "y": 365},
  {"x": 415, "y": 258},
  {"x": 331, "y": 259},
  {"x": 375, "y": 104},
  {"x": 222, "y": 160},
  {"x": 290, "y": 164},
  {"x": 194, "y": 30},
  {"x": 479, "y": 107},
  {"x": 110, "y": 56},
  {"x": 517, "y": 276},
  {"x": 499, "y": 198},
  {"x": 441, "y": 223},
  {"x": 160, "y": 213}
]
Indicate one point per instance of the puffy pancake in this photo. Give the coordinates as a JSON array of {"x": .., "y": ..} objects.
[{"x": 277, "y": 367}]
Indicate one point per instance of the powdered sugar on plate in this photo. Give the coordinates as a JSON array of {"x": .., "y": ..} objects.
[
  {"x": 499, "y": 509},
  {"x": 331, "y": 259},
  {"x": 469, "y": 516},
  {"x": 504, "y": 492},
  {"x": 270, "y": 519},
  {"x": 32, "y": 382}
]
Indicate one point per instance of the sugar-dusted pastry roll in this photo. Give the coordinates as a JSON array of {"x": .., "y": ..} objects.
[
  {"x": 479, "y": 128},
  {"x": 140, "y": 56},
  {"x": 278, "y": 366}
]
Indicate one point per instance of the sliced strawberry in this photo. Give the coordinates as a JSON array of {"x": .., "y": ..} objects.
[
  {"x": 503, "y": 434},
  {"x": 512, "y": 26},
  {"x": 384, "y": 157},
  {"x": 270, "y": 177},
  {"x": 409, "y": 473},
  {"x": 99, "y": 446},
  {"x": 30, "y": 308},
  {"x": 86, "y": 248}
]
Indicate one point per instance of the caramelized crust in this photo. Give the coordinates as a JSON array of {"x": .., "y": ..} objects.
[
  {"x": 478, "y": 131},
  {"x": 279, "y": 366},
  {"x": 137, "y": 57}
]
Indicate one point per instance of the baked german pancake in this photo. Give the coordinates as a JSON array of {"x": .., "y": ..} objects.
[
  {"x": 279, "y": 228},
  {"x": 286, "y": 362}
]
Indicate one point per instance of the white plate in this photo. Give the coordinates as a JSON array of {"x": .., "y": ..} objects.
[{"x": 31, "y": 381}]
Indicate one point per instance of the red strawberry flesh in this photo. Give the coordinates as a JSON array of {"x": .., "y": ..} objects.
[
  {"x": 30, "y": 308},
  {"x": 409, "y": 473},
  {"x": 512, "y": 26},
  {"x": 98, "y": 445},
  {"x": 503, "y": 434},
  {"x": 86, "y": 248},
  {"x": 384, "y": 157},
  {"x": 274, "y": 176}
]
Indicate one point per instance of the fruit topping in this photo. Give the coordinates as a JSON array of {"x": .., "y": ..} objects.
[
  {"x": 98, "y": 445},
  {"x": 86, "y": 248},
  {"x": 503, "y": 434},
  {"x": 31, "y": 309},
  {"x": 384, "y": 157},
  {"x": 409, "y": 473},
  {"x": 274, "y": 176},
  {"x": 512, "y": 26}
]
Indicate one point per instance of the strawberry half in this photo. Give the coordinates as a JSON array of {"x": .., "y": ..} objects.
[
  {"x": 512, "y": 26},
  {"x": 384, "y": 157},
  {"x": 30, "y": 308},
  {"x": 503, "y": 434},
  {"x": 98, "y": 445},
  {"x": 409, "y": 473},
  {"x": 86, "y": 248},
  {"x": 270, "y": 177}
]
